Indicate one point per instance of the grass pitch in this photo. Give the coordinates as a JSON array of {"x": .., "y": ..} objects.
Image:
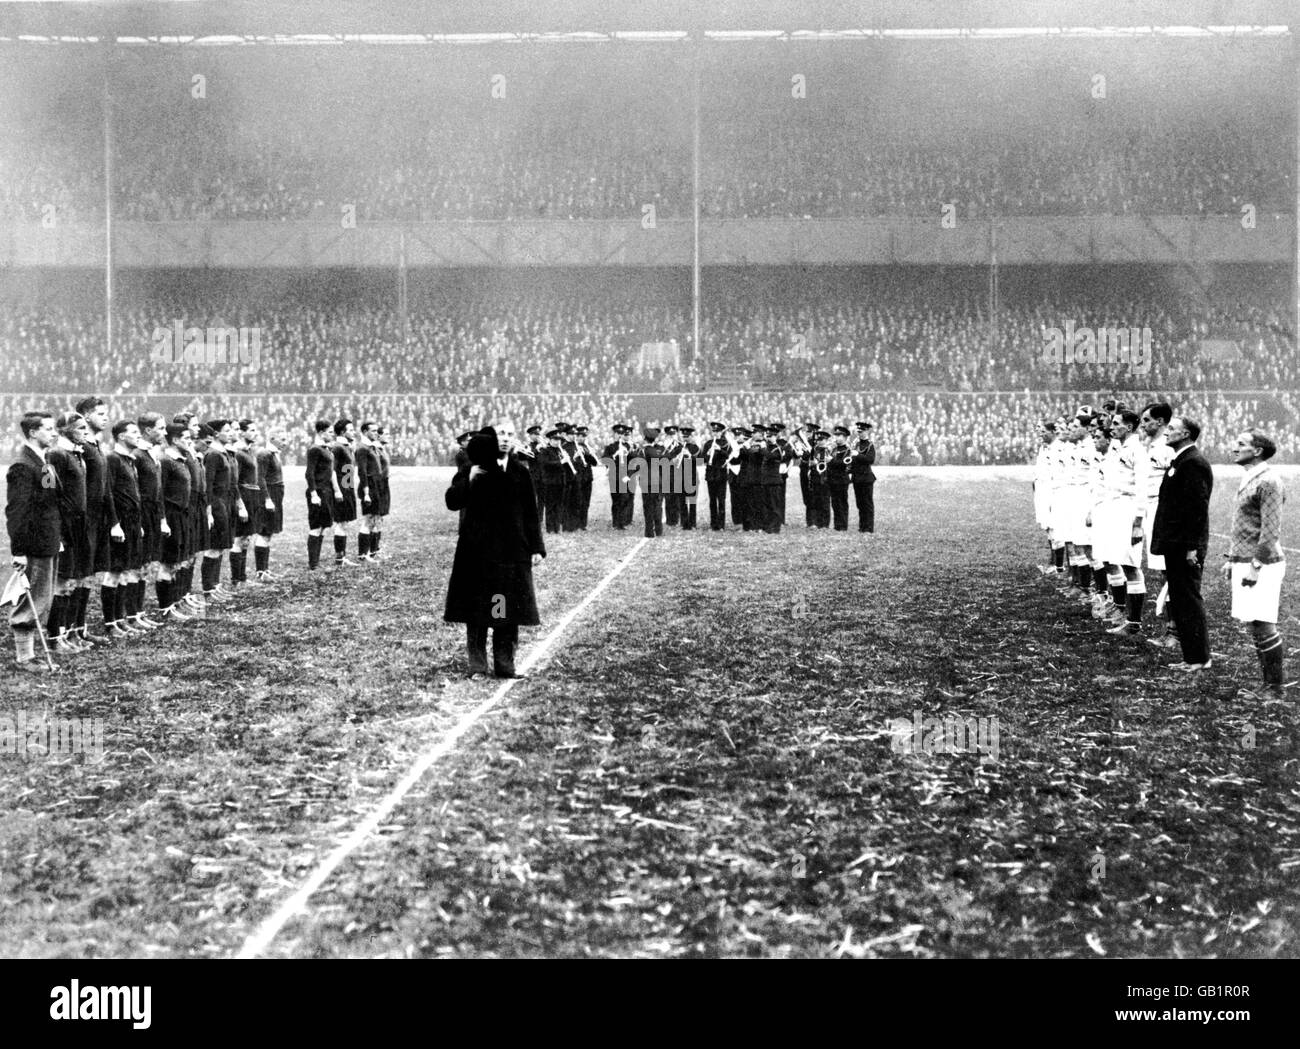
[{"x": 704, "y": 766}]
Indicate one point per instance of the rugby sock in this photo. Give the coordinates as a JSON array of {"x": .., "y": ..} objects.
[
  {"x": 313, "y": 550},
  {"x": 374, "y": 541},
  {"x": 83, "y": 602},
  {"x": 55, "y": 619},
  {"x": 261, "y": 557},
  {"x": 1270, "y": 660},
  {"x": 1058, "y": 558},
  {"x": 141, "y": 596},
  {"x": 1137, "y": 596},
  {"x": 163, "y": 588},
  {"x": 126, "y": 596},
  {"x": 209, "y": 573},
  {"x": 1099, "y": 579},
  {"x": 1115, "y": 577},
  {"x": 340, "y": 548},
  {"x": 234, "y": 569},
  {"x": 363, "y": 543},
  {"x": 1085, "y": 576},
  {"x": 108, "y": 603}
]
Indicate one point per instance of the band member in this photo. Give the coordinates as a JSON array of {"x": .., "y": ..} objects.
[
  {"x": 749, "y": 479},
  {"x": 837, "y": 477},
  {"x": 270, "y": 478},
  {"x": 586, "y": 461},
  {"x": 367, "y": 486},
  {"x": 1255, "y": 564},
  {"x": 616, "y": 456},
  {"x": 65, "y": 458},
  {"x": 322, "y": 490},
  {"x": 556, "y": 470},
  {"x": 802, "y": 443},
  {"x": 498, "y": 545},
  {"x": 671, "y": 487},
  {"x": 569, "y": 501},
  {"x": 819, "y": 492},
  {"x": 1181, "y": 533},
  {"x": 716, "y": 451},
  {"x": 649, "y": 470},
  {"x": 220, "y": 486},
  {"x": 770, "y": 482},
  {"x": 863, "y": 477},
  {"x": 35, "y": 529},
  {"x": 127, "y": 555},
  {"x": 345, "y": 473},
  {"x": 687, "y": 480},
  {"x": 788, "y": 455},
  {"x": 101, "y": 518},
  {"x": 175, "y": 481},
  {"x": 148, "y": 462}
]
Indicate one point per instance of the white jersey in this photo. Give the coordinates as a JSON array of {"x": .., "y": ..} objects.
[
  {"x": 1123, "y": 462},
  {"x": 1150, "y": 469}
]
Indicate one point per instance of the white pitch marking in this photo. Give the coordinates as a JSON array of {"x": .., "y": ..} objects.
[{"x": 269, "y": 929}]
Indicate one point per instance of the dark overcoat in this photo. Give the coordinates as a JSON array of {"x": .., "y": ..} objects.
[{"x": 492, "y": 573}]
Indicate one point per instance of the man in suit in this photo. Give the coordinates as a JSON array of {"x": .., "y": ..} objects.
[
  {"x": 32, "y": 517},
  {"x": 863, "y": 477},
  {"x": 498, "y": 546},
  {"x": 1181, "y": 534}
]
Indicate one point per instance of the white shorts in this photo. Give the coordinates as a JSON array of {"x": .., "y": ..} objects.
[
  {"x": 1112, "y": 533},
  {"x": 1043, "y": 506},
  {"x": 1261, "y": 601},
  {"x": 1070, "y": 506},
  {"x": 1155, "y": 562}
]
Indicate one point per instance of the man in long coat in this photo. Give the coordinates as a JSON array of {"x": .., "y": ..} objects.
[{"x": 499, "y": 544}]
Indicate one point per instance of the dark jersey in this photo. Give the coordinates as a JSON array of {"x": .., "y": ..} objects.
[
  {"x": 220, "y": 478},
  {"x": 124, "y": 486},
  {"x": 150, "y": 477},
  {"x": 367, "y": 471},
  {"x": 320, "y": 472},
  {"x": 246, "y": 463},
  {"x": 269, "y": 469},
  {"x": 345, "y": 469},
  {"x": 99, "y": 498},
  {"x": 71, "y": 470},
  {"x": 176, "y": 482}
]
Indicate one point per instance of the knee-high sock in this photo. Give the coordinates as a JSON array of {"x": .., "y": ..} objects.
[
  {"x": 363, "y": 543},
  {"x": 313, "y": 550},
  {"x": 374, "y": 541},
  {"x": 261, "y": 557},
  {"x": 56, "y": 617},
  {"x": 108, "y": 603},
  {"x": 83, "y": 603},
  {"x": 209, "y": 573},
  {"x": 1269, "y": 650},
  {"x": 163, "y": 588},
  {"x": 340, "y": 547}
]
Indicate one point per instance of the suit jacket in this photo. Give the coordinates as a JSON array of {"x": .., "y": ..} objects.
[
  {"x": 32, "y": 507},
  {"x": 864, "y": 454},
  {"x": 1182, "y": 520}
]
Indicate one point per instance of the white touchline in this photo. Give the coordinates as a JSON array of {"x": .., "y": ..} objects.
[
  {"x": 1220, "y": 535},
  {"x": 270, "y": 928}
]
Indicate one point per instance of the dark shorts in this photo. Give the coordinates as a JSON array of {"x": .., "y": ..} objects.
[
  {"x": 198, "y": 534},
  {"x": 151, "y": 544},
  {"x": 345, "y": 509},
  {"x": 272, "y": 521},
  {"x": 246, "y": 526},
  {"x": 75, "y": 558},
  {"x": 101, "y": 556},
  {"x": 320, "y": 516},
  {"x": 176, "y": 547},
  {"x": 127, "y": 555},
  {"x": 219, "y": 535}
]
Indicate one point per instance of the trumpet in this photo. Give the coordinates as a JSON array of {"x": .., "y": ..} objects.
[
  {"x": 821, "y": 456},
  {"x": 848, "y": 456}
]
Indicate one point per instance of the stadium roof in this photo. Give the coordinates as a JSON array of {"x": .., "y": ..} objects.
[{"x": 398, "y": 20}]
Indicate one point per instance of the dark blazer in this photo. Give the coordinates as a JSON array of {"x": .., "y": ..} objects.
[
  {"x": 864, "y": 455},
  {"x": 492, "y": 574},
  {"x": 1182, "y": 520},
  {"x": 32, "y": 507}
]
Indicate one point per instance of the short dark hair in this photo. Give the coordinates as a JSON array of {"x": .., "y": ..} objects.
[
  {"x": 1131, "y": 419},
  {"x": 1266, "y": 445},
  {"x": 1192, "y": 427},
  {"x": 65, "y": 421},
  {"x": 369, "y": 425},
  {"x": 216, "y": 425},
  {"x": 244, "y": 424},
  {"x": 175, "y": 431},
  {"x": 342, "y": 425},
  {"x": 32, "y": 421},
  {"x": 120, "y": 427},
  {"x": 321, "y": 425},
  {"x": 182, "y": 418},
  {"x": 148, "y": 420},
  {"x": 1160, "y": 410},
  {"x": 88, "y": 404}
]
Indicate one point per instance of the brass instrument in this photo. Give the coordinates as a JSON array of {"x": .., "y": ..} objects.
[{"x": 821, "y": 456}]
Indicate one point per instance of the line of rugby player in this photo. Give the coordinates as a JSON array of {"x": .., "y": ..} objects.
[
  {"x": 148, "y": 500},
  {"x": 1097, "y": 489}
]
